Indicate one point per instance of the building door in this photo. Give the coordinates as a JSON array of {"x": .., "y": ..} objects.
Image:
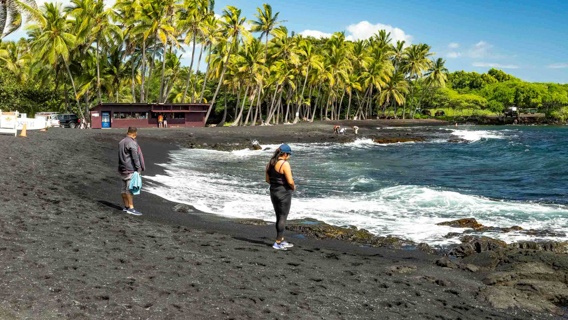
[{"x": 105, "y": 118}]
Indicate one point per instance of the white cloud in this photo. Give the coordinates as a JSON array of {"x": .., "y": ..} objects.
[
  {"x": 364, "y": 30},
  {"x": 480, "y": 50},
  {"x": 453, "y": 55},
  {"x": 494, "y": 65},
  {"x": 315, "y": 34},
  {"x": 453, "y": 45},
  {"x": 558, "y": 66}
]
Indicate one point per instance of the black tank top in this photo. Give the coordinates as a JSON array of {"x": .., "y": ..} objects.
[{"x": 276, "y": 178}]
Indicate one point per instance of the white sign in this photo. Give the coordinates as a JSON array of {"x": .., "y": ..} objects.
[
  {"x": 8, "y": 121},
  {"x": 95, "y": 114}
]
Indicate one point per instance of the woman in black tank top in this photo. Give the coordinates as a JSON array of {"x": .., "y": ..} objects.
[{"x": 279, "y": 175}]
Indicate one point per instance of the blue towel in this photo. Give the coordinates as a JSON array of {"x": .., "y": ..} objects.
[{"x": 135, "y": 183}]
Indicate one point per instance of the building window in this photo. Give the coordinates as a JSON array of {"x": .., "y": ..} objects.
[
  {"x": 169, "y": 115},
  {"x": 130, "y": 115}
]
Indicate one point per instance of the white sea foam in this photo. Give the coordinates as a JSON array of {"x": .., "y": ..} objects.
[
  {"x": 361, "y": 143},
  {"x": 476, "y": 135},
  {"x": 195, "y": 177},
  {"x": 406, "y": 211}
]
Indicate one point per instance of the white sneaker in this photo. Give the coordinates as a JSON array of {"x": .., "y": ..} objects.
[
  {"x": 278, "y": 246},
  {"x": 286, "y": 244},
  {"x": 134, "y": 212}
]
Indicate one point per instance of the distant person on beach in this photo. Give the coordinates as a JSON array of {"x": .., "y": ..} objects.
[
  {"x": 130, "y": 160},
  {"x": 165, "y": 122},
  {"x": 160, "y": 121},
  {"x": 279, "y": 175}
]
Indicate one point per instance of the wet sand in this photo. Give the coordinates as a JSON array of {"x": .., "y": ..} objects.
[{"x": 67, "y": 251}]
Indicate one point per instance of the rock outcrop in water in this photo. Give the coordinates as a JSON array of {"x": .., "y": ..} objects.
[{"x": 529, "y": 275}]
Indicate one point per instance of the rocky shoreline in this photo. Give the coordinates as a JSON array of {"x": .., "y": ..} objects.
[{"x": 68, "y": 251}]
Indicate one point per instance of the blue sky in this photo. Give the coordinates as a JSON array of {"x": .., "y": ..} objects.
[{"x": 528, "y": 39}]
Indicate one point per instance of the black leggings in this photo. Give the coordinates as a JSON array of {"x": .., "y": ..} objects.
[{"x": 281, "y": 200}]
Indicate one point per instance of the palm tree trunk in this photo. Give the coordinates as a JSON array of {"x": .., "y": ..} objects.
[
  {"x": 348, "y": 106},
  {"x": 190, "y": 69},
  {"x": 238, "y": 118},
  {"x": 218, "y": 86},
  {"x": 258, "y": 104},
  {"x": 143, "y": 75},
  {"x": 193, "y": 96},
  {"x": 74, "y": 89},
  {"x": 340, "y": 104},
  {"x": 161, "y": 97},
  {"x": 302, "y": 95},
  {"x": 316, "y": 104},
  {"x": 204, "y": 81},
  {"x": 249, "y": 110},
  {"x": 272, "y": 109},
  {"x": 222, "y": 123},
  {"x": 152, "y": 66},
  {"x": 238, "y": 101},
  {"x": 98, "y": 73},
  {"x": 289, "y": 98}
]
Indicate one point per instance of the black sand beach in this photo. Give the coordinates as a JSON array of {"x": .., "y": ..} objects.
[{"x": 67, "y": 251}]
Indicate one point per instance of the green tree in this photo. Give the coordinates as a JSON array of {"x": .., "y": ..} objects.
[
  {"x": 232, "y": 25},
  {"x": 52, "y": 42},
  {"x": 13, "y": 12}
]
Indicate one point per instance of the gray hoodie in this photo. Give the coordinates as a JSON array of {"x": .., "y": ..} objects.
[{"x": 130, "y": 156}]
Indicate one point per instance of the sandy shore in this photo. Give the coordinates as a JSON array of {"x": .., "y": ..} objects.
[{"x": 68, "y": 251}]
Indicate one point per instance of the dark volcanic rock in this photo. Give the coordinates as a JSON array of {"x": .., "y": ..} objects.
[
  {"x": 462, "y": 223},
  {"x": 473, "y": 244},
  {"x": 321, "y": 230},
  {"x": 252, "y": 222},
  {"x": 552, "y": 246},
  {"x": 185, "y": 208},
  {"x": 533, "y": 285}
]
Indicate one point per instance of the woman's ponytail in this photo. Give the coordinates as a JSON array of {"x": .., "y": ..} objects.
[{"x": 274, "y": 158}]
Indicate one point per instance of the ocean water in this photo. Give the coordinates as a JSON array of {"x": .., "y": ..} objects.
[{"x": 501, "y": 176}]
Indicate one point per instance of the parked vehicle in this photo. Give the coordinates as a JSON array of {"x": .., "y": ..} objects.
[
  {"x": 68, "y": 120},
  {"x": 52, "y": 120},
  {"x": 511, "y": 112}
]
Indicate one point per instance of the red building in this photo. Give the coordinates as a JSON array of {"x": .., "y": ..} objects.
[{"x": 145, "y": 115}]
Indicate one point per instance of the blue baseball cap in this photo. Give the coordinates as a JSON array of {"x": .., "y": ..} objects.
[{"x": 284, "y": 148}]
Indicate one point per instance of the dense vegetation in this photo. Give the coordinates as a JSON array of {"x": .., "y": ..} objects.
[{"x": 83, "y": 54}]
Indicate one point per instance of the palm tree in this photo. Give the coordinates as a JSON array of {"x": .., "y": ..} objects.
[
  {"x": 309, "y": 60},
  {"x": 232, "y": 25},
  {"x": 92, "y": 26},
  {"x": 265, "y": 24},
  {"x": 12, "y": 13},
  {"x": 415, "y": 63},
  {"x": 15, "y": 59},
  {"x": 124, "y": 15},
  {"x": 190, "y": 17},
  {"x": 156, "y": 16},
  {"x": 53, "y": 42},
  {"x": 394, "y": 91},
  {"x": 437, "y": 75},
  {"x": 211, "y": 37}
]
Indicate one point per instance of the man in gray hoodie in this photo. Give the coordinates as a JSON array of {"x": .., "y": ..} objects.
[{"x": 130, "y": 160}]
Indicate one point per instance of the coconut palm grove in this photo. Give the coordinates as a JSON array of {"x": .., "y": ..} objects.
[{"x": 250, "y": 70}]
